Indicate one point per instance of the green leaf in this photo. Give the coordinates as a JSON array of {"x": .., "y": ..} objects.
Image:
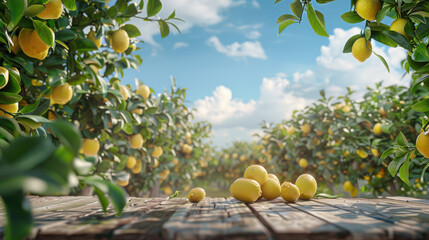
[
  {"x": 112, "y": 12},
  {"x": 388, "y": 152},
  {"x": 132, "y": 30},
  {"x": 104, "y": 202},
  {"x": 153, "y": 7},
  {"x": 383, "y": 61},
  {"x": 13, "y": 85},
  {"x": 376, "y": 26},
  {"x": 325, "y": 195},
  {"x": 296, "y": 8},
  {"x": 367, "y": 33},
  {"x": 423, "y": 172},
  {"x": 324, "y": 1},
  {"x": 351, "y": 17},
  {"x": 84, "y": 45},
  {"x": 401, "y": 140},
  {"x": 277, "y": 1},
  {"x": 164, "y": 29},
  {"x": 421, "y": 53},
  {"x": 7, "y": 97},
  {"x": 70, "y": 4},
  {"x": 422, "y": 106},
  {"x": 35, "y": 9},
  {"x": 174, "y": 195},
  {"x": 19, "y": 216},
  {"x": 68, "y": 135},
  {"x": 284, "y": 24},
  {"x": 285, "y": 17},
  {"x": 44, "y": 32},
  {"x": 349, "y": 44},
  {"x": 131, "y": 10},
  {"x": 404, "y": 172},
  {"x": 395, "y": 164},
  {"x": 383, "y": 38},
  {"x": 401, "y": 40},
  {"x": 17, "y": 9},
  {"x": 65, "y": 35},
  {"x": 316, "y": 22}
]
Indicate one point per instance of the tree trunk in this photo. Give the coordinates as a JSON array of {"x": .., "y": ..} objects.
[
  {"x": 86, "y": 191},
  {"x": 154, "y": 192}
]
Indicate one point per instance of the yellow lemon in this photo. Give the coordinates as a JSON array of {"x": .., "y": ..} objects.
[
  {"x": 137, "y": 167},
  {"x": 290, "y": 192},
  {"x": 155, "y": 163},
  {"x": 168, "y": 190},
  {"x": 368, "y": 9},
  {"x": 303, "y": 163},
  {"x": 307, "y": 186},
  {"x": 175, "y": 161},
  {"x": 143, "y": 91},
  {"x": 375, "y": 152},
  {"x": 5, "y": 73},
  {"x": 377, "y": 129},
  {"x": 256, "y": 172},
  {"x": 119, "y": 41},
  {"x": 139, "y": 111},
  {"x": 16, "y": 47},
  {"x": 348, "y": 186},
  {"x": 398, "y": 26},
  {"x": 52, "y": 10},
  {"x": 291, "y": 130},
  {"x": 413, "y": 154},
  {"x": 188, "y": 135},
  {"x": 157, "y": 151},
  {"x": 271, "y": 189},
  {"x": 62, "y": 94},
  {"x": 346, "y": 153},
  {"x": 90, "y": 147},
  {"x": 245, "y": 190},
  {"x": 10, "y": 108},
  {"x": 32, "y": 45},
  {"x": 131, "y": 162},
  {"x": 270, "y": 175},
  {"x": 164, "y": 174},
  {"x": 92, "y": 36},
  {"x": 362, "y": 153},
  {"x": 422, "y": 144},
  {"x": 354, "y": 192},
  {"x": 123, "y": 183},
  {"x": 305, "y": 128},
  {"x": 243, "y": 158},
  {"x": 136, "y": 141},
  {"x": 196, "y": 195},
  {"x": 125, "y": 92},
  {"x": 361, "y": 49}
]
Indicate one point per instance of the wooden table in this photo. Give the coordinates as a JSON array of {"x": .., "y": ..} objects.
[{"x": 220, "y": 218}]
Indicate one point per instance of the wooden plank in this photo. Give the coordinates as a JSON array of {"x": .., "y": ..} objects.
[
  {"x": 214, "y": 218},
  {"x": 421, "y": 202},
  {"x": 286, "y": 222},
  {"x": 149, "y": 225},
  {"x": 98, "y": 225},
  {"x": 359, "y": 225}
]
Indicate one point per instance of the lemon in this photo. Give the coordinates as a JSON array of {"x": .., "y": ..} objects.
[
  {"x": 422, "y": 144},
  {"x": 137, "y": 167},
  {"x": 5, "y": 73},
  {"x": 143, "y": 91},
  {"x": 92, "y": 36},
  {"x": 303, "y": 163},
  {"x": 90, "y": 147},
  {"x": 139, "y": 111},
  {"x": 362, "y": 153},
  {"x": 136, "y": 141},
  {"x": 188, "y": 135},
  {"x": 62, "y": 94},
  {"x": 164, "y": 174},
  {"x": 382, "y": 111},
  {"x": 157, "y": 151},
  {"x": 52, "y": 10},
  {"x": 271, "y": 189},
  {"x": 398, "y": 26},
  {"x": 354, "y": 192},
  {"x": 361, "y": 49},
  {"x": 175, "y": 161},
  {"x": 131, "y": 162},
  {"x": 290, "y": 192},
  {"x": 305, "y": 128},
  {"x": 11, "y": 108},
  {"x": 270, "y": 175},
  {"x": 256, "y": 172},
  {"x": 245, "y": 190},
  {"x": 155, "y": 163},
  {"x": 243, "y": 158},
  {"x": 291, "y": 130},
  {"x": 346, "y": 153},
  {"x": 32, "y": 45},
  {"x": 125, "y": 92},
  {"x": 123, "y": 183},
  {"x": 348, "y": 186},
  {"x": 377, "y": 129},
  {"x": 16, "y": 47},
  {"x": 168, "y": 190},
  {"x": 196, "y": 195},
  {"x": 375, "y": 152},
  {"x": 119, "y": 41},
  {"x": 368, "y": 9},
  {"x": 307, "y": 186}
]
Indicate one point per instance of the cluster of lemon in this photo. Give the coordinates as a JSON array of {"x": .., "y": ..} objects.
[{"x": 258, "y": 183}]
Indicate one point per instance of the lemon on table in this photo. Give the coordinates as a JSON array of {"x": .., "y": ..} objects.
[
  {"x": 257, "y": 173},
  {"x": 290, "y": 192},
  {"x": 307, "y": 186},
  {"x": 196, "y": 195},
  {"x": 354, "y": 192},
  {"x": 245, "y": 190},
  {"x": 270, "y": 175},
  {"x": 271, "y": 189}
]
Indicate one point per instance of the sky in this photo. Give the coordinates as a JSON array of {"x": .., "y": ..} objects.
[{"x": 240, "y": 72}]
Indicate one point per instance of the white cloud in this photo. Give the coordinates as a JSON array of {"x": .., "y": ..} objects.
[
  {"x": 255, "y": 4},
  {"x": 239, "y": 50},
  {"x": 180, "y": 45},
  {"x": 201, "y": 13},
  {"x": 253, "y": 35}
]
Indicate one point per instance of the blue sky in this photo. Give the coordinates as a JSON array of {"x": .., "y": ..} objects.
[{"x": 238, "y": 71}]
